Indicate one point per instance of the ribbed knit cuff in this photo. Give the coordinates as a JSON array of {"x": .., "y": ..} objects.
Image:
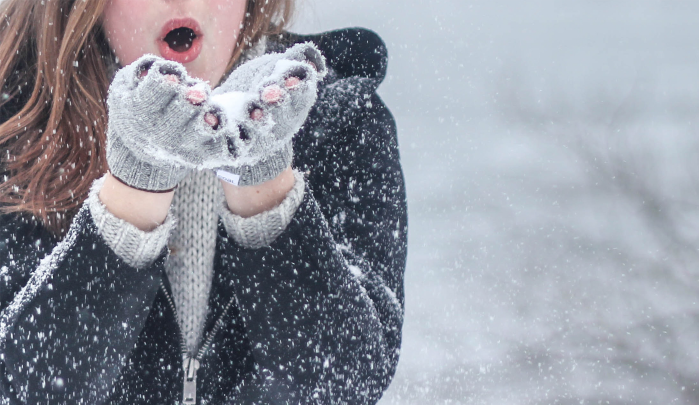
[
  {"x": 135, "y": 247},
  {"x": 266, "y": 169},
  {"x": 140, "y": 174},
  {"x": 262, "y": 229}
]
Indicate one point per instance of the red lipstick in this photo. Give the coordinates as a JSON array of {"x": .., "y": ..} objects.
[{"x": 180, "y": 40}]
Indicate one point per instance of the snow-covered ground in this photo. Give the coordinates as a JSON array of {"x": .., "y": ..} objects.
[{"x": 551, "y": 150}]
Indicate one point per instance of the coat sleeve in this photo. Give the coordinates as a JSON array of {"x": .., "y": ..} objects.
[
  {"x": 323, "y": 304},
  {"x": 68, "y": 320}
]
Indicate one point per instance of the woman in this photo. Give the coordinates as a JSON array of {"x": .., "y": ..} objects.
[{"x": 286, "y": 288}]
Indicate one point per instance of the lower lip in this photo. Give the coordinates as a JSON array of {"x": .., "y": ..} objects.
[{"x": 181, "y": 57}]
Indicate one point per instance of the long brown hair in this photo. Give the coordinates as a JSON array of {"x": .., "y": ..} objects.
[{"x": 54, "y": 61}]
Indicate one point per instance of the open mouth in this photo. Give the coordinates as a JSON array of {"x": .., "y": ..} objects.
[{"x": 180, "y": 40}]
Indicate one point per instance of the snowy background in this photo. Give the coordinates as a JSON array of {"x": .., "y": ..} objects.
[{"x": 550, "y": 151}]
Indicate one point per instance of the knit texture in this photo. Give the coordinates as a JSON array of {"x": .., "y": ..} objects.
[
  {"x": 192, "y": 247},
  {"x": 266, "y": 169},
  {"x": 262, "y": 229},
  {"x": 290, "y": 81},
  {"x": 135, "y": 247},
  {"x": 155, "y": 134},
  {"x": 190, "y": 265}
]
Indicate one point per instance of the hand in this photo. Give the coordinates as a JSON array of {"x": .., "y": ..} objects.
[
  {"x": 269, "y": 99},
  {"x": 161, "y": 125}
]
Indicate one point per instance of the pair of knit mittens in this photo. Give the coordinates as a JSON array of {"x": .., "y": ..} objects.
[{"x": 164, "y": 123}]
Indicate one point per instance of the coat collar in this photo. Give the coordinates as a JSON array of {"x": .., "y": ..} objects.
[{"x": 349, "y": 52}]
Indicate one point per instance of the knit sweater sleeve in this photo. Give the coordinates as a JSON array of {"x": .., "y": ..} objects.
[
  {"x": 262, "y": 229},
  {"x": 135, "y": 247}
]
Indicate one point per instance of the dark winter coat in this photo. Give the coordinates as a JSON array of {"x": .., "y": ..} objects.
[{"x": 314, "y": 318}]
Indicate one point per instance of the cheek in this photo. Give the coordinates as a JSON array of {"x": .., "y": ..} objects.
[
  {"x": 124, "y": 28},
  {"x": 227, "y": 16},
  {"x": 236, "y": 7}
]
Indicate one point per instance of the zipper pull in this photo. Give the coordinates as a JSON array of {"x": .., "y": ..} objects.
[{"x": 189, "y": 388}]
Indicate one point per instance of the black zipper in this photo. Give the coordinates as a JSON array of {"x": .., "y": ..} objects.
[{"x": 191, "y": 364}]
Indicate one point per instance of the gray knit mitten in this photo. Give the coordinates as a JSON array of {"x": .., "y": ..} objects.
[
  {"x": 161, "y": 125},
  {"x": 269, "y": 97}
]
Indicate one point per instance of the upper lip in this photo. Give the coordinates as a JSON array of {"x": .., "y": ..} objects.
[{"x": 181, "y": 23}]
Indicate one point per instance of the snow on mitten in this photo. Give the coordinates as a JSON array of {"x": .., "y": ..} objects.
[
  {"x": 161, "y": 125},
  {"x": 269, "y": 99}
]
